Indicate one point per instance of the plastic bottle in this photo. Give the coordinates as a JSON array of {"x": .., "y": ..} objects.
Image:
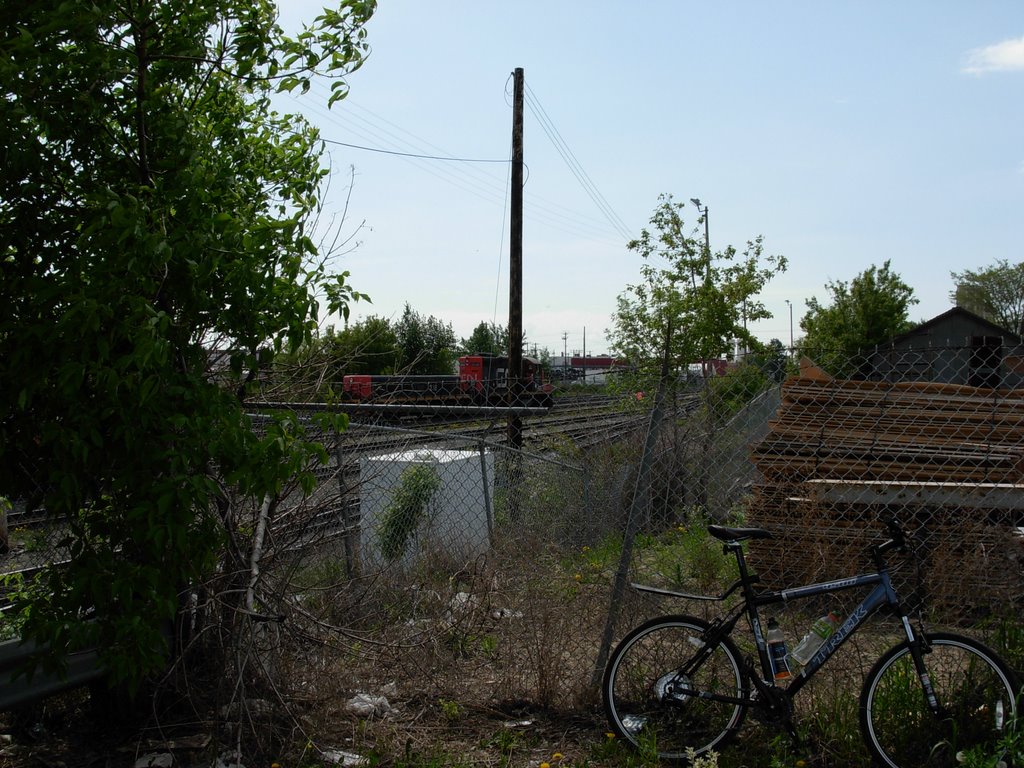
[
  {"x": 777, "y": 652},
  {"x": 821, "y": 630}
]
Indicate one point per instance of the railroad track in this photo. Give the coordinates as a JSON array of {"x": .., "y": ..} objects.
[{"x": 586, "y": 421}]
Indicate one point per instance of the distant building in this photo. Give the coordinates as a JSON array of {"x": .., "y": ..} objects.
[
  {"x": 956, "y": 347},
  {"x": 593, "y": 369},
  {"x": 598, "y": 362}
]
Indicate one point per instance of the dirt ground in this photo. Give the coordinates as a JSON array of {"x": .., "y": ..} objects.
[{"x": 66, "y": 732}]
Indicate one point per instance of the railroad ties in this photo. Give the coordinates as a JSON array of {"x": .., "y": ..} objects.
[{"x": 947, "y": 459}]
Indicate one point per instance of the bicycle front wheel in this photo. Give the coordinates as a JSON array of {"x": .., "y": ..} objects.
[
  {"x": 976, "y": 694},
  {"x": 661, "y": 684}
]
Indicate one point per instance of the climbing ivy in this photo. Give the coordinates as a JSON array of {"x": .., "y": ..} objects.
[{"x": 407, "y": 509}]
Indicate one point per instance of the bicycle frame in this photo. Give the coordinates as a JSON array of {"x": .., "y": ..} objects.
[{"x": 882, "y": 595}]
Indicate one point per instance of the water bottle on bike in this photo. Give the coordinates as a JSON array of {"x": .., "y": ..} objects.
[
  {"x": 821, "y": 630},
  {"x": 777, "y": 651}
]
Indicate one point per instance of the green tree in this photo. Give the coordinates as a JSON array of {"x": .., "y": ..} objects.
[
  {"x": 773, "y": 360},
  {"x": 869, "y": 310},
  {"x": 487, "y": 338},
  {"x": 996, "y": 293},
  {"x": 367, "y": 347},
  {"x": 153, "y": 207},
  {"x": 316, "y": 370},
  {"x": 426, "y": 344},
  {"x": 709, "y": 298}
]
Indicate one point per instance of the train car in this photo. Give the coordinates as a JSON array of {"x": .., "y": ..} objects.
[
  {"x": 436, "y": 389},
  {"x": 482, "y": 380},
  {"x": 486, "y": 376}
]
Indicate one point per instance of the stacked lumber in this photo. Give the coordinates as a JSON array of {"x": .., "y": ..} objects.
[
  {"x": 921, "y": 435},
  {"x": 911, "y": 432}
]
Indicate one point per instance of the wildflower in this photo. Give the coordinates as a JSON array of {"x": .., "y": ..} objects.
[
  {"x": 557, "y": 756},
  {"x": 578, "y": 577},
  {"x": 544, "y": 765},
  {"x": 610, "y": 735}
]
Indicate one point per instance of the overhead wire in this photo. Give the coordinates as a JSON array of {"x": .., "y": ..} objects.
[
  {"x": 608, "y": 215},
  {"x": 411, "y": 154},
  {"x": 467, "y": 174},
  {"x": 464, "y": 174},
  {"x": 544, "y": 211},
  {"x": 548, "y": 126},
  {"x": 501, "y": 241},
  {"x": 479, "y": 185}
]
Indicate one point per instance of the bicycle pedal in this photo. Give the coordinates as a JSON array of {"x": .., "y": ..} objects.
[{"x": 634, "y": 723}]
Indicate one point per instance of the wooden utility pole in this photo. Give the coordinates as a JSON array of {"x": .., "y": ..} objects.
[{"x": 515, "y": 283}]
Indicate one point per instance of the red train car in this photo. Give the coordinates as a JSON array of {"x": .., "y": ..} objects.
[{"x": 481, "y": 380}]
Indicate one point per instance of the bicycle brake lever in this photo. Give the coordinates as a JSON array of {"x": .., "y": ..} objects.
[{"x": 895, "y": 530}]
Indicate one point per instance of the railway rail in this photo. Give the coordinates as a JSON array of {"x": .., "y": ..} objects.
[{"x": 586, "y": 421}]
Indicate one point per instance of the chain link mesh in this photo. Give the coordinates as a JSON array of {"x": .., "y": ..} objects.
[{"x": 438, "y": 556}]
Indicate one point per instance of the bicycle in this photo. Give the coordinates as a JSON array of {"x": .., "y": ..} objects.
[{"x": 680, "y": 682}]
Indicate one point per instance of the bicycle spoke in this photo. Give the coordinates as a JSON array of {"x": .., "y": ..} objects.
[
  {"x": 975, "y": 695},
  {"x": 652, "y": 702}
]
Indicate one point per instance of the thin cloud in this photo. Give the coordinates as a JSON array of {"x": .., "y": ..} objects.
[{"x": 1001, "y": 57}]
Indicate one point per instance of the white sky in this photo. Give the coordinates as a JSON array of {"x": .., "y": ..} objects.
[{"x": 845, "y": 133}]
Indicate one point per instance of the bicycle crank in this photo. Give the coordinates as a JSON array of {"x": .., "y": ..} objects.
[{"x": 672, "y": 688}]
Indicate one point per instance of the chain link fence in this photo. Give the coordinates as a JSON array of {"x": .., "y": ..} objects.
[
  {"x": 504, "y": 572},
  {"x": 440, "y": 562}
]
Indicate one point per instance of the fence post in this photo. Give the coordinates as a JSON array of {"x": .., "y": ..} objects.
[
  {"x": 641, "y": 497},
  {"x": 351, "y": 566},
  {"x": 487, "y": 494}
]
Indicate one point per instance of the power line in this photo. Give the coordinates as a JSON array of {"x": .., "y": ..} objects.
[
  {"x": 574, "y": 165},
  {"x": 501, "y": 245},
  {"x": 476, "y": 183},
  {"x": 410, "y": 154},
  {"x": 465, "y": 174},
  {"x": 546, "y": 211}
]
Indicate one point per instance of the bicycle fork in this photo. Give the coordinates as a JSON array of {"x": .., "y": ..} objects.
[{"x": 919, "y": 648}]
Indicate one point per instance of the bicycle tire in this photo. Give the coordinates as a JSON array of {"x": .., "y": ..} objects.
[
  {"x": 975, "y": 688},
  {"x": 638, "y": 697}
]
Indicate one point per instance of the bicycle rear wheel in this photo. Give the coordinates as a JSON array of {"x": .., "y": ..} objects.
[
  {"x": 648, "y": 687},
  {"x": 975, "y": 689}
]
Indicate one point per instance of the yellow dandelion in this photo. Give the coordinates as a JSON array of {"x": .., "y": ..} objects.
[
  {"x": 610, "y": 735},
  {"x": 557, "y": 756},
  {"x": 578, "y": 577},
  {"x": 544, "y": 765}
]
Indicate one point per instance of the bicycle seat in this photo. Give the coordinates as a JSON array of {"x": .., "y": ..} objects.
[{"x": 738, "y": 534}]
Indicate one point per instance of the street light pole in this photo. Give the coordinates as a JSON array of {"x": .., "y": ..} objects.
[
  {"x": 790, "y": 326},
  {"x": 704, "y": 215}
]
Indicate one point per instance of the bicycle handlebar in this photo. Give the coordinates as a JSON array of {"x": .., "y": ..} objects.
[
  {"x": 898, "y": 540},
  {"x": 899, "y": 537}
]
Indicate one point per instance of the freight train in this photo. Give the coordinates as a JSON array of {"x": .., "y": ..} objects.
[{"x": 482, "y": 380}]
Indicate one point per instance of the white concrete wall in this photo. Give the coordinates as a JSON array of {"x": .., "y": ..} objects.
[{"x": 456, "y": 521}]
